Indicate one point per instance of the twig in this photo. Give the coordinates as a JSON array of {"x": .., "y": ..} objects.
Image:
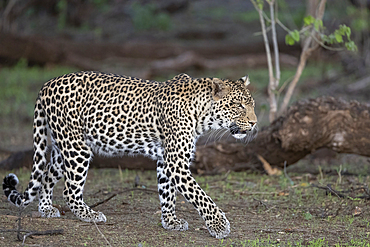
[
  {"x": 287, "y": 230},
  {"x": 13, "y": 230},
  {"x": 340, "y": 194},
  {"x": 141, "y": 189},
  {"x": 120, "y": 192},
  {"x": 259, "y": 193},
  {"x": 106, "y": 240},
  {"x": 270, "y": 208},
  {"x": 104, "y": 201},
  {"x": 28, "y": 233},
  {"x": 325, "y": 46},
  {"x": 329, "y": 190},
  {"x": 37, "y": 233},
  {"x": 283, "y": 26}
]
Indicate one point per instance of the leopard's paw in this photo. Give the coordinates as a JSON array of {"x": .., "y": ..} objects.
[
  {"x": 219, "y": 227},
  {"x": 93, "y": 216},
  {"x": 175, "y": 224},
  {"x": 49, "y": 211}
]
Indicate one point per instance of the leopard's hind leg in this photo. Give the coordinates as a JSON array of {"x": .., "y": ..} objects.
[
  {"x": 53, "y": 173},
  {"x": 77, "y": 156}
]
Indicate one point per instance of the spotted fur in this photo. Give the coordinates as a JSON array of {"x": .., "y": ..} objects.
[{"x": 114, "y": 115}]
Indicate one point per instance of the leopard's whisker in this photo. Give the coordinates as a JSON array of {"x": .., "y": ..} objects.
[
  {"x": 221, "y": 134},
  {"x": 224, "y": 132}
]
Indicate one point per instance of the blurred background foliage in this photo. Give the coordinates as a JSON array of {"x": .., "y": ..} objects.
[
  {"x": 20, "y": 85},
  {"x": 149, "y": 32}
]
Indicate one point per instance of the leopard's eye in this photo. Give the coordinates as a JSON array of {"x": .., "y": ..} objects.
[{"x": 239, "y": 105}]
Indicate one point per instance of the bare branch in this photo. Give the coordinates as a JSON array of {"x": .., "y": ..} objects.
[
  {"x": 275, "y": 43},
  {"x": 325, "y": 46},
  {"x": 309, "y": 46},
  {"x": 271, "y": 88},
  {"x": 282, "y": 26}
]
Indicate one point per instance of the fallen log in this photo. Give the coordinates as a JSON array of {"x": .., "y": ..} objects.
[
  {"x": 308, "y": 125},
  {"x": 142, "y": 54},
  {"x": 191, "y": 59}
]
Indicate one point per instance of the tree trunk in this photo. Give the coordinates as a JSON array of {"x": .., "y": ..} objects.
[{"x": 307, "y": 126}]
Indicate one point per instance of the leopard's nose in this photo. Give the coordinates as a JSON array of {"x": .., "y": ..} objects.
[{"x": 252, "y": 123}]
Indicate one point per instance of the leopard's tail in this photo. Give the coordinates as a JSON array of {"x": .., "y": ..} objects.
[{"x": 39, "y": 162}]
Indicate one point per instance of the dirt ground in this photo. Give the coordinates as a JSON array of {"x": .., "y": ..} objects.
[
  {"x": 286, "y": 210},
  {"x": 262, "y": 210}
]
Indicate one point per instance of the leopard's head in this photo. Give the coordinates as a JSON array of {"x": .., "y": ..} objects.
[{"x": 234, "y": 107}]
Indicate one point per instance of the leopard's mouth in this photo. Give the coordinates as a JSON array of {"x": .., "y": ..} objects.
[{"x": 239, "y": 133}]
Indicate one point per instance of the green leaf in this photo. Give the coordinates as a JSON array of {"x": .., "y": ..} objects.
[
  {"x": 292, "y": 37},
  {"x": 347, "y": 31},
  {"x": 318, "y": 24},
  {"x": 338, "y": 37},
  {"x": 331, "y": 38},
  {"x": 308, "y": 20},
  {"x": 260, "y": 4},
  {"x": 289, "y": 39},
  {"x": 324, "y": 38},
  {"x": 351, "y": 46},
  {"x": 295, "y": 35}
]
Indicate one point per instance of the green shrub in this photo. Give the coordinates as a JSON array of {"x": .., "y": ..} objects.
[
  {"x": 146, "y": 17},
  {"x": 20, "y": 85}
]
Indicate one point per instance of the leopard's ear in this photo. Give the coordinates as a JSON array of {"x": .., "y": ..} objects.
[
  {"x": 219, "y": 89},
  {"x": 245, "y": 80}
]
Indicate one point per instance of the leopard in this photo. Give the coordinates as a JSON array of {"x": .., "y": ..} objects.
[{"x": 94, "y": 113}]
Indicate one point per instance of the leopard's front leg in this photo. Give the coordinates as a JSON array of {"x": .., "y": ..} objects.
[
  {"x": 176, "y": 170},
  {"x": 167, "y": 197}
]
